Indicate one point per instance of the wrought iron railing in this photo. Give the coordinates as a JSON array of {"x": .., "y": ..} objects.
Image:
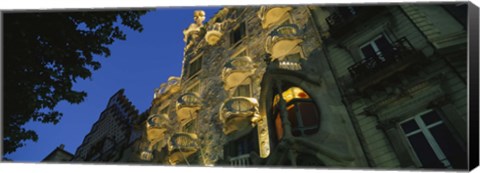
[
  {"x": 399, "y": 52},
  {"x": 341, "y": 18}
]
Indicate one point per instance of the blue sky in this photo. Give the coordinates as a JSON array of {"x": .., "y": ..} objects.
[{"x": 139, "y": 64}]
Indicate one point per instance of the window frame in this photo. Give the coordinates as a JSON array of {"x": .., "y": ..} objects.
[
  {"x": 232, "y": 34},
  {"x": 248, "y": 85},
  {"x": 425, "y": 130},
  {"x": 197, "y": 59},
  {"x": 301, "y": 128},
  {"x": 372, "y": 43}
]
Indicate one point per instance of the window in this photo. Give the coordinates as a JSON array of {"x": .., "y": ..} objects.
[
  {"x": 243, "y": 91},
  {"x": 195, "y": 66},
  {"x": 379, "y": 48},
  {"x": 302, "y": 113},
  {"x": 243, "y": 145},
  {"x": 432, "y": 142},
  {"x": 237, "y": 34}
]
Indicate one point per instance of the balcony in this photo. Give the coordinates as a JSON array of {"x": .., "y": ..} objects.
[
  {"x": 237, "y": 113},
  {"x": 157, "y": 125},
  {"x": 343, "y": 19},
  {"x": 171, "y": 86},
  {"x": 214, "y": 33},
  {"x": 284, "y": 40},
  {"x": 240, "y": 161},
  {"x": 384, "y": 64},
  {"x": 272, "y": 15},
  {"x": 181, "y": 146},
  {"x": 236, "y": 71},
  {"x": 187, "y": 106}
]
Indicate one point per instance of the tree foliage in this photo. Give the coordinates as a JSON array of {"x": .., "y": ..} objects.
[{"x": 44, "y": 54}]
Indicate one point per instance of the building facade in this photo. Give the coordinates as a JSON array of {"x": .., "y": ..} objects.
[
  {"x": 332, "y": 86},
  {"x": 111, "y": 133}
]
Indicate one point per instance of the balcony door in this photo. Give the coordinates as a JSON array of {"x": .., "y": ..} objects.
[{"x": 379, "y": 48}]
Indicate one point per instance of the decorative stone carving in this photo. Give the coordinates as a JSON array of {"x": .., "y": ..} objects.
[{"x": 193, "y": 31}]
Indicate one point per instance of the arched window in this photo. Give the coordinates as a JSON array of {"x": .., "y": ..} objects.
[{"x": 302, "y": 113}]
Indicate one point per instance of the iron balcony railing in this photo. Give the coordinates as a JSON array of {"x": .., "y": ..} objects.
[
  {"x": 343, "y": 19},
  {"x": 400, "y": 52}
]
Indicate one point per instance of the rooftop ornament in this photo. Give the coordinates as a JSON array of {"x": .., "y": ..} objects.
[{"x": 193, "y": 31}]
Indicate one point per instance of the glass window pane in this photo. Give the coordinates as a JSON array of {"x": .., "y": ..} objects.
[
  {"x": 278, "y": 126},
  {"x": 430, "y": 118},
  {"x": 292, "y": 116},
  {"x": 452, "y": 149},
  {"x": 243, "y": 90},
  {"x": 384, "y": 46},
  {"x": 309, "y": 114},
  {"x": 409, "y": 126},
  {"x": 368, "y": 51},
  {"x": 424, "y": 152}
]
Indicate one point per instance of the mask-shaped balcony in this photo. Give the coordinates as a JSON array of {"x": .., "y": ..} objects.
[
  {"x": 236, "y": 113},
  {"x": 283, "y": 41},
  {"x": 187, "y": 106},
  {"x": 181, "y": 146},
  {"x": 171, "y": 86},
  {"x": 272, "y": 15},
  {"x": 157, "y": 125},
  {"x": 236, "y": 71},
  {"x": 214, "y": 33}
]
